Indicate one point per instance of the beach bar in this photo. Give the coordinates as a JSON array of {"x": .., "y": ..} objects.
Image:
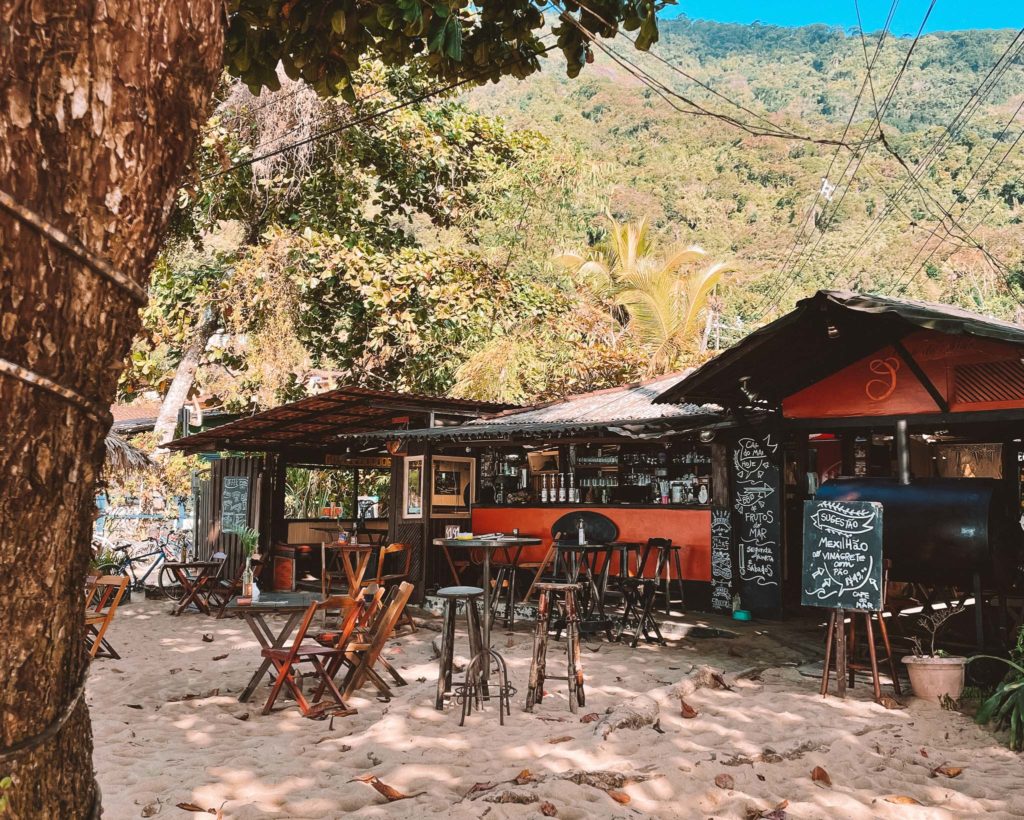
[{"x": 915, "y": 405}]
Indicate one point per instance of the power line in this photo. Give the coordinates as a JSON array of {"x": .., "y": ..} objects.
[
  {"x": 867, "y": 82},
  {"x": 950, "y": 132},
  {"x": 360, "y": 120},
  {"x": 679, "y": 70},
  {"x": 899, "y": 284},
  {"x": 695, "y": 108},
  {"x": 876, "y": 125}
]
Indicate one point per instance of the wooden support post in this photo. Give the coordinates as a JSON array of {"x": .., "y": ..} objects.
[{"x": 841, "y": 669}]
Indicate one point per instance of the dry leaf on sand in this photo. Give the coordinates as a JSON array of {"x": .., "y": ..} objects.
[
  {"x": 194, "y": 808},
  {"x": 686, "y": 710},
  {"x": 390, "y": 793},
  {"x": 948, "y": 771},
  {"x": 524, "y": 777},
  {"x": 548, "y": 809},
  {"x": 562, "y": 739},
  {"x": 619, "y": 797},
  {"x": 725, "y": 781},
  {"x": 590, "y": 718},
  {"x": 479, "y": 787},
  {"x": 902, "y": 800},
  {"x": 819, "y": 775}
]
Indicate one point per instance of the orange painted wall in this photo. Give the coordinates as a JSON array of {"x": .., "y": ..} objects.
[
  {"x": 690, "y": 528},
  {"x": 882, "y": 384}
]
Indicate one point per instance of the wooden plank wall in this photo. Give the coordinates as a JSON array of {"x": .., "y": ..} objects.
[{"x": 209, "y": 536}]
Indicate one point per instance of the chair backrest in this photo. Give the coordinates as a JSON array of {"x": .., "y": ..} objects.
[
  {"x": 394, "y": 549},
  {"x": 106, "y": 593},
  {"x": 339, "y": 602},
  {"x": 387, "y": 617},
  {"x": 661, "y": 547}
]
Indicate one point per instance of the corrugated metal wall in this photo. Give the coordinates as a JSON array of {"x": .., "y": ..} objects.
[{"x": 210, "y": 537}]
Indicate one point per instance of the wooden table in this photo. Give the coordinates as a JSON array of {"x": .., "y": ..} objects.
[
  {"x": 292, "y": 604},
  {"x": 354, "y": 560},
  {"x": 195, "y": 578},
  {"x": 488, "y": 545}
]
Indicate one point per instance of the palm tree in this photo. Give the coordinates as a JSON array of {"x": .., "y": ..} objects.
[{"x": 657, "y": 299}]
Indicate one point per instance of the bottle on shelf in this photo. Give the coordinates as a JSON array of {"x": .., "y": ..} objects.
[
  {"x": 543, "y": 489},
  {"x": 561, "y": 488},
  {"x": 581, "y": 532}
]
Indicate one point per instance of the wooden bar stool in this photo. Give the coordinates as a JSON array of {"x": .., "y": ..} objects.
[
  {"x": 670, "y": 564},
  {"x": 452, "y": 596},
  {"x": 563, "y": 597}
]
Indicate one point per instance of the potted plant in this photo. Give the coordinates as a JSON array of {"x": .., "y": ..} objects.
[
  {"x": 250, "y": 539},
  {"x": 936, "y": 676}
]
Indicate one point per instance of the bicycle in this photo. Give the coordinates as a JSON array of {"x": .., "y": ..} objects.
[{"x": 166, "y": 548}]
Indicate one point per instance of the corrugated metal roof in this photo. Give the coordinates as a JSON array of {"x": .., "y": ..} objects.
[
  {"x": 613, "y": 404},
  {"x": 316, "y": 421},
  {"x": 627, "y": 411}
]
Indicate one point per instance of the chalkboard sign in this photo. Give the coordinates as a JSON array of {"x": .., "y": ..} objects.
[
  {"x": 758, "y": 531},
  {"x": 234, "y": 503},
  {"x": 721, "y": 560},
  {"x": 842, "y": 555}
]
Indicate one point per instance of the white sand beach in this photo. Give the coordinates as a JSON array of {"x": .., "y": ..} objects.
[{"x": 169, "y": 729}]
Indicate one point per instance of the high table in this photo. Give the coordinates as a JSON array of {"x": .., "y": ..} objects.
[
  {"x": 354, "y": 560},
  {"x": 292, "y": 604},
  {"x": 488, "y": 545}
]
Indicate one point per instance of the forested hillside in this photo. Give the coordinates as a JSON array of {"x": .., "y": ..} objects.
[
  {"x": 748, "y": 198},
  {"x": 467, "y": 245}
]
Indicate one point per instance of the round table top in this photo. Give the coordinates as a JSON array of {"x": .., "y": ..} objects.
[{"x": 494, "y": 543}]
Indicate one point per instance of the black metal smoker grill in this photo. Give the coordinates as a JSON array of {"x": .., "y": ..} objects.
[{"x": 943, "y": 534}]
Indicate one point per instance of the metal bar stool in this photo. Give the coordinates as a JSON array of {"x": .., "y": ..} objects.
[
  {"x": 563, "y": 596},
  {"x": 452, "y": 596},
  {"x": 505, "y": 586}
]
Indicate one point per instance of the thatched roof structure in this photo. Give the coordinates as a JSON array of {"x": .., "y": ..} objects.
[{"x": 123, "y": 458}]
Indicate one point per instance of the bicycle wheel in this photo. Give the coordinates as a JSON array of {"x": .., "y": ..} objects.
[
  {"x": 109, "y": 568},
  {"x": 169, "y": 585}
]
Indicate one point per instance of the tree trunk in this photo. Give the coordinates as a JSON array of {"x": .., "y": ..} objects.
[
  {"x": 99, "y": 106},
  {"x": 184, "y": 377}
]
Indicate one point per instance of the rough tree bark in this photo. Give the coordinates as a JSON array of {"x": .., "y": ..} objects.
[
  {"x": 99, "y": 106},
  {"x": 184, "y": 378}
]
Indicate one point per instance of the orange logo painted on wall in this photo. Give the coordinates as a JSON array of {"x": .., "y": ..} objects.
[{"x": 880, "y": 389}]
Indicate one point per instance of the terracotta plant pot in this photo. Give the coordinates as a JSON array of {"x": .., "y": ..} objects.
[{"x": 932, "y": 678}]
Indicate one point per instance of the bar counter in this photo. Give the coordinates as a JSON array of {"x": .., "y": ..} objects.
[{"x": 687, "y": 525}]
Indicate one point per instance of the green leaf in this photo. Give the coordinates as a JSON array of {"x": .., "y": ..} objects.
[
  {"x": 648, "y": 35},
  {"x": 338, "y": 21},
  {"x": 453, "y": 39}
]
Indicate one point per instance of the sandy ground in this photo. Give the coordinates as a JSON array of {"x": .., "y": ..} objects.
[{"x": 169, "y": 729}]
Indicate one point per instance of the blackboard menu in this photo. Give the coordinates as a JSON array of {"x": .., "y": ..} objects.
[
  {"x": 758, "y": 527},
  {"x": 721, "y": 560},
  {"x": 842, "y": 566},
  {"x": 234, "y": 503}
]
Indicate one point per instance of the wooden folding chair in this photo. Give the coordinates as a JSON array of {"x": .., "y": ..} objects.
[
  {"x": 101, "y": 602},
  {"x": 394, "y": 579},
  {"x": 222, "y": 590},
  {"x": 287, "y": 658},
  {"x": 363, "y": 654}
]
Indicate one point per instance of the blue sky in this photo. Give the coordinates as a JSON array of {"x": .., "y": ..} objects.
[{"x": 948, "y": 15}]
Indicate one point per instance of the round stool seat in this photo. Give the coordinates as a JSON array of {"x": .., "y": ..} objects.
[
  {"x": 459, "y": 592},
  {"x": 557, "y": 585}
]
